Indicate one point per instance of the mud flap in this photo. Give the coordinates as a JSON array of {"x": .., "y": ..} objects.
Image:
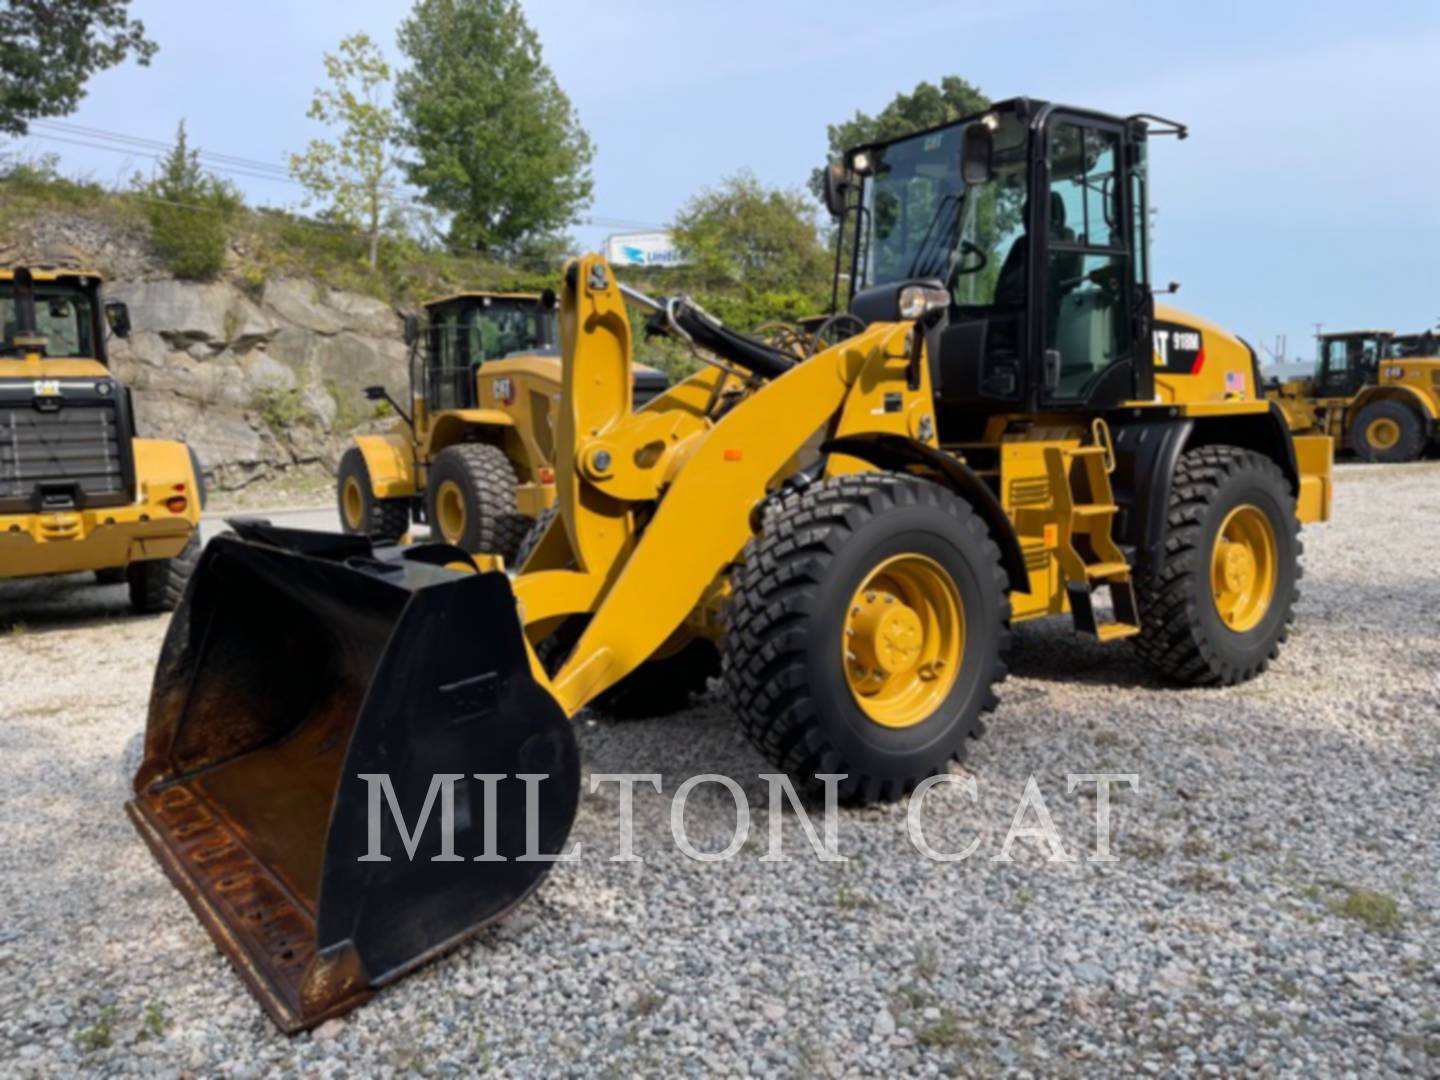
[{"x": 298, "y": 665}]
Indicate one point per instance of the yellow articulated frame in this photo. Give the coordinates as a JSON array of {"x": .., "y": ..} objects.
[
  {"x": 610, "y": 458},
  {"x": 103, "y": 538}
]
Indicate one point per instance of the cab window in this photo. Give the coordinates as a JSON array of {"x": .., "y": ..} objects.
[{"x": 1089, "y": 273}]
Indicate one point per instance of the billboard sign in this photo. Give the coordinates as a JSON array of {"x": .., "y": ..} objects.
[{"x": 642, "y": 249}]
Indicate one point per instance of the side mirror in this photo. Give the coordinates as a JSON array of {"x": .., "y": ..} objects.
[
  {"x": 117, "y": 316},
  {"x": 375, "y": 393},
  {"x": 548, "y": 300},
  {"x": 837, "y": 186},
  {"x": 977, "y": 154},
  {"x": 412, "y": 329}
]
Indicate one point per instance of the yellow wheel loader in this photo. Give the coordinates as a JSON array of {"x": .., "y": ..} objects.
[
  {"x": 473, "y": 456},
  {"x": 1015, "y": 432},
  {"x": 78, "y": 490},
  {"x": 1373, "y": 391}
]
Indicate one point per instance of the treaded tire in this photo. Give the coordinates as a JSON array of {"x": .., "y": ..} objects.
[
  {"x": 487, "y": 479},
  {"x": 791, "y": 591},
  {"x": 1412, "y": 433},
  {"x": 159, "y": 584},
  {"x": 531, "y": 540},
  {"x": 388, "y": 519},
  {"x": 657, "y": 687},
  {"x": 1182, "y": 635}
]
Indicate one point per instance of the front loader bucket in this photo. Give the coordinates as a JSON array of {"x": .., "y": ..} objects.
[{"x": 299, "y": 665}]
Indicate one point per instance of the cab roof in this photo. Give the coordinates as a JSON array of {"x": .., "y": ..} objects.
[
  {"x": 482, "y": 294},
  {"x": 50, "y": 273},
  {"x": 1356, "y": 333}
]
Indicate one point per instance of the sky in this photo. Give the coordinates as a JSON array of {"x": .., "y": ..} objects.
[{"x": 1305, "y": 193}]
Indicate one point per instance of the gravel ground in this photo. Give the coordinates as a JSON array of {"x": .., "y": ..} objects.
[{"x": 1273, "y": 907}]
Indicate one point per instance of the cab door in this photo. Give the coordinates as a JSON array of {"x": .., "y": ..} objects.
[{"x": 1091, "y": 299}]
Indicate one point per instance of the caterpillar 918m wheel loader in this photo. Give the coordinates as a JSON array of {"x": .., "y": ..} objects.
[
  {"x": 1374, "y": 391},
  {"x": 474, "y": 456},
  {"x": 78, "y": 490},
  {"x": 857, "y": 530}
]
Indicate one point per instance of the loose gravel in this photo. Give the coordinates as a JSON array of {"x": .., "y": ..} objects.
[{"x": 1274, "y": 906}]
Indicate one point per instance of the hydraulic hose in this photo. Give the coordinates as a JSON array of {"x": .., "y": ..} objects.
[{"x": 684, "y": 318}]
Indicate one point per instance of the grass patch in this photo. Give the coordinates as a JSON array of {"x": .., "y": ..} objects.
[
  {"x": 15, "y": 630},
  {"x": 647, "y": 1002},
  {"x": 99, "y": 1035},
  {"x": 280, "y": 408},
  {"x": 1375, "y": 910}
]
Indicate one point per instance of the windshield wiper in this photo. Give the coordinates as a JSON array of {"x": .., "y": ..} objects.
[{"x": 921, "y": 266}]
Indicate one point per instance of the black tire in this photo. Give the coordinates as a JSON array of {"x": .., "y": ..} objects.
[
  {"x": 386, "y": 520},
  {"x": 783, "y": 666},
  {"x": 486, "y": 480},
  {"x": 112, "y": 575},
  {"x": 1410, "y": 431},
  {"x": 657, "y": 687},
  {"x": 1183, "y": 636},
  {"x": 158, "y": 585},
  {"x": 531, "y": 539}
]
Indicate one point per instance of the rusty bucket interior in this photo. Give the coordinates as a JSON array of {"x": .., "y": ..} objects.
[{"x": 299, "y": 665}]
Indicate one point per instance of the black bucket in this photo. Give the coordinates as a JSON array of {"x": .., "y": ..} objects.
[{"x": 299, "y": 664}]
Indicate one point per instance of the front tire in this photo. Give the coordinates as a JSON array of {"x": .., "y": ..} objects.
[
  {"x": 866, "y": 633},
  {"x": 1217, "y": 608},
  {"x": 1387, "y": 432},
  {"x": 470, "y": 500},
  {"x": 361, "y": 513},
  {"x": 158, "y": 585}
]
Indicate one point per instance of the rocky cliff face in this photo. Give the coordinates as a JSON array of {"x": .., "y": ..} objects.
[{"x": 258, "y": 379}]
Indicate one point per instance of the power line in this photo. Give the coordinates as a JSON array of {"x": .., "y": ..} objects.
[{"x": 234, "y": 165}]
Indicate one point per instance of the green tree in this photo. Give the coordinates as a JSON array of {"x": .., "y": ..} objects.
[
  {"x": 189, "y": 211},
  {"x": 924, "y": 107},
  {"x": 355, "y": 175},
  {"x": 50, "y": 48},
  {"x": 496, "y": 142},
  {"x": 763, "y": 239}
]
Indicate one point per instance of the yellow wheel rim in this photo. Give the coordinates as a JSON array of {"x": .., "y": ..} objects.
[
  {"x": 450, "y": 511},
  {"x": 1243, "y": 568},
  {"x": 903, "y": 640},
  {"x": 353, "y": 501},
  {"x": 1383, "y": 433}
]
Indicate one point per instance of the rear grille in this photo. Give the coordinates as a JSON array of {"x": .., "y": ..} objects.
[{"x": 70, "y": 456}]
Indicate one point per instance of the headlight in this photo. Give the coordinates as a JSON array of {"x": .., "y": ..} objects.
[
  {"x": 916, "y": 300},
  {"x": 104, "y": 388}
]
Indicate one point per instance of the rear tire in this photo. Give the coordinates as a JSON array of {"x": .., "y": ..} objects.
[
  {"x": 471, "y": 500},
  {"x": 361, "y": 513},
  {"x": 797, "y": 687},
  {"x": 158, "y": 585},
  {"x": 1184, "y": 635},
  {"x": 1388, "y": 432}
]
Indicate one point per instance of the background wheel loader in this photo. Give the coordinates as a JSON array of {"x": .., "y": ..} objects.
[
  {"x": 78, "y": 490},
  {"x": 1374, "y": 391},
  {"x": 474, "y": 455},
  {"x": 1013, "y": 431}
]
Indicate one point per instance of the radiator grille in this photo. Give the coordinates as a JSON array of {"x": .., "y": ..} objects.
[
  {"x": 75, "y": 447},
  {"x": 1030, "y": 491}
]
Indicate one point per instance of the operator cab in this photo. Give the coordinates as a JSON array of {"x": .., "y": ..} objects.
[
  {"x": 463, "y": 332},
  {"x": 1350, "y": 360},
  {"x": 1026, "y": 224}
]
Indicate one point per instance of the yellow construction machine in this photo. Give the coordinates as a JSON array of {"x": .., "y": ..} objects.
[
  {"x": 1013, "y": 433},
  {"x": 473, "y": 455},
  {"x": 1373, "y": 391},
  {"x": 78, "y": 490}
]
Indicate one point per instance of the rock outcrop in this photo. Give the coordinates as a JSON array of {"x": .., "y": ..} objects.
[{"x": 257, "y": 379}]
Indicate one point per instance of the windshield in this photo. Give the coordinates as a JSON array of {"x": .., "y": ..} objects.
[
  {"x": 923, "y": 221},
  {"x": 478, "y": 330},
  {"x": 62, "y": 317}
]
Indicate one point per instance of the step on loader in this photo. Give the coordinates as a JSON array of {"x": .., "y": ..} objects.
[{"x": 1012, "y": 431}]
